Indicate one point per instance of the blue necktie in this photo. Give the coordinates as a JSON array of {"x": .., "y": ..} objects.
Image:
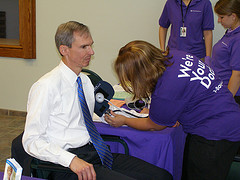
[{"x": 99, "y": 144}]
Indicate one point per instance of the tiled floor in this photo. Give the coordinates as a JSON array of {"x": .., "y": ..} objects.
[{"x": 10, "y": 127}]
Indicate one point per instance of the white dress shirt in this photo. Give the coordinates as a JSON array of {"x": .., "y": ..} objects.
[{"x": 55, "y": 121}]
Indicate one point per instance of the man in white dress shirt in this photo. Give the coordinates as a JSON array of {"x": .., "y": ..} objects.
[{"x": 55, "y": 130}]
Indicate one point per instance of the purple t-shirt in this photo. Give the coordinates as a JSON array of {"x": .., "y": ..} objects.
[
  {"x": 199, "y": 17},
  {"x": 191, "y": 93},
  {"x": 226, "y": 55}
]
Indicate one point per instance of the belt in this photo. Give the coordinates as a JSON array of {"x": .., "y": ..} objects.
[{"x": 86, "y": 146}]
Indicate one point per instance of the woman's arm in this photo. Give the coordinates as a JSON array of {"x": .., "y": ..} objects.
[
  {"x": 144, "y": 124},
  {"x": 208, "y": 36},
  {"x": 234, "y": 82},
  {"x": 162, "y": 37}
]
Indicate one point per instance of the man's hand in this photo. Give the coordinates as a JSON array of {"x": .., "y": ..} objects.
[{"x": 83, "y": 169}]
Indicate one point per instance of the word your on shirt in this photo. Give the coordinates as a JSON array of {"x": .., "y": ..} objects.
[{"x": 203, "y": 75}]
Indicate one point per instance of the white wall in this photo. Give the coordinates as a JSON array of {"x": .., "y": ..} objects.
[{"x": 112, "y": 23}]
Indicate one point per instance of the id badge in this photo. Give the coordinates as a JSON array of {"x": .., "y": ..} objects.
[{"x": 183, "y": 31}]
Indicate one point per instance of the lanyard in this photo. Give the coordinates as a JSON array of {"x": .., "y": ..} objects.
[{"x": 186, "y": 11}]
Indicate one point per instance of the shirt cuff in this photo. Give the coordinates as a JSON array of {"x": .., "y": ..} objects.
[{"x": 66, "y": 158}]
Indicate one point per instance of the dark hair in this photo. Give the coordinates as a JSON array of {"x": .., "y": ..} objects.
[
  {"x": 64, "y": 33},
  {"x": 139, "y": 65},
  {"x": 227, "y": 7}
]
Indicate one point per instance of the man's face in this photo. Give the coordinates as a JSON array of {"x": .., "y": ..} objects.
[{"x": 79, "y": 55}]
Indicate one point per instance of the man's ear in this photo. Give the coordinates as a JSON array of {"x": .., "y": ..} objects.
[{"x": 63, "y": 50}]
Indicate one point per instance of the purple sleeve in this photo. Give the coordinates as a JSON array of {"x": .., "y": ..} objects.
[
  {"x": 235, "y": 55},
  {"x": 164, "y": 19},
  {"x": 208, "y": 21},
  {"x": 164, "y": 111}
]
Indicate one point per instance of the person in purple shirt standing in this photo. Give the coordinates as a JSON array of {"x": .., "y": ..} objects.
[
  {"x": 182, "y": 89},
  {"x": 191, "y": 26},
  {"x": 226, "y": 52}
]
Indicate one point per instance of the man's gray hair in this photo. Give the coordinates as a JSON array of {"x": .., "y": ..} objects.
[{"x": 65, "y": 31}]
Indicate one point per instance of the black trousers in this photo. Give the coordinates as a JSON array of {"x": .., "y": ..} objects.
[
  {"x": 207, "y": 159},
  {"x": 124, "y": 167},
  {"x": 237, "y": 99}
]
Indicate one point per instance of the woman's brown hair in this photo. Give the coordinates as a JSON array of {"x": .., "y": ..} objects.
[
  {"x": 227, "y": 7},
  {"x": 138, "y": 66}
]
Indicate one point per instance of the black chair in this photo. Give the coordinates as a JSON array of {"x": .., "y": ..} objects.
[
  {"x": 94, "y": 77},
  {"x": 234, "y": 172},
  {"x": 41, "y": 169},
  {"x": 237, "y": 157}
]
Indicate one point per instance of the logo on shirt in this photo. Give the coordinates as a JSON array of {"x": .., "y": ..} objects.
[
  {"x": 196, "y": 11},
  {"x": 198, "y": 75},
  {"x": 224, "y": 43}
]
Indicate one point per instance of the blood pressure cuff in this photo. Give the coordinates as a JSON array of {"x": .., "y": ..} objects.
[{"x": 106, "y": 91}]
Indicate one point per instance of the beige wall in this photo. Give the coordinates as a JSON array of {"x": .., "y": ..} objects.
[{"x": 112, "y": 23}]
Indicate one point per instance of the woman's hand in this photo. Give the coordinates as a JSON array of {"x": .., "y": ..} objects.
[
  {"x": 234, "y": 82},
  {"x": 176, "y": 124},
  {"x": 143, "y": 124},
  {"x": 145, "y": 111},
  {"x": 114, "y": 119}
]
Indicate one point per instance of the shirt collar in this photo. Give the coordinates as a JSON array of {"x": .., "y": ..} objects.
[
  {"x": 229, "y": 31},
  {"x": 233, "y": 31},
  {"x": 192, "y": 3},
  {"x": 68, "y": 74}
]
